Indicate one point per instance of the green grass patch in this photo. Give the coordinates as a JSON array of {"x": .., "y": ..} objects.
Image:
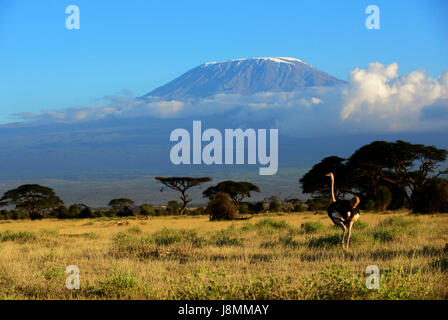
[
  {"x": 398, "y": 222},
  {"x": 225, "y": 238},
  {"x": 270, "y": 225},
  {"x": 117, "y": 285},
  {"x": 288, "y": 241},
  {"x": 21, "y": 236},
  {"x": 360, "y": 225},
  {"x": 167, "y": 236},
  {"x": 336, "y": 282},
  {"x": 312, "y": 227}
]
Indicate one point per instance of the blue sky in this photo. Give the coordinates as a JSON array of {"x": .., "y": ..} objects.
[{"x": 139, "y": 45}]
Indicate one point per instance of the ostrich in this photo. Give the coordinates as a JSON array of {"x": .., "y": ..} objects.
[{"x": 343, "y": 213}]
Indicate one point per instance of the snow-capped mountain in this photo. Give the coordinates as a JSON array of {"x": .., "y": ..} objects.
[{"x": 244, "y": 76}]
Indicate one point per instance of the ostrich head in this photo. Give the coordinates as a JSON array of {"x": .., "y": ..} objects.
[
  {"x": 355, "y": 202},
  {"x": 331, "y": 175}
]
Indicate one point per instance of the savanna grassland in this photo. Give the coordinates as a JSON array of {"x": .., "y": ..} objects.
[{"x": 272, "y": 256}]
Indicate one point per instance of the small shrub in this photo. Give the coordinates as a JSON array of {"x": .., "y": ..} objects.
[
  {"x": 197, "y": 212},
  {"x": 173, "y": 207},
  {"x": 221, "y": 207},
  {"x": 256, "y": 208},
  {"x": 247, "y": 227},
  {"x": 168, "y": 236},
  {"x": 270, "y": 225},
  {"x": 126, "y": 244},
  {"x": 361, "y": 225},
  {"x": 300, "y": 207},
  {"x": 125, "y": 212},
  {"x": 287, "y": 207},
  {"x": 386, "y": 234},
  {"x": 86, "y": 213},
  {"x": 288, "y": 241},
  {"x": 275, "y": 206},
  {"x": 312, "y": 227},
  {"x": 54, "y": 273},
  {"x": 225, "y": 238},
  {"x": 147, "y": 210},
  {"x": 117, "y": 285}
]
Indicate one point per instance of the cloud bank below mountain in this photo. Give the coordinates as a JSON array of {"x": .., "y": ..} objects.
[{"x": 376, "y": 99}]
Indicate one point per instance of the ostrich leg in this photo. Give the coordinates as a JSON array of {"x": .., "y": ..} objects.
[
  {"x": 349, "y": 232},
  {"x": 343, "y": 232}
]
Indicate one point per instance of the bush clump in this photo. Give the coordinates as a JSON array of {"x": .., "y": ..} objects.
[
  {"x": 312, "y": 227},
  {"x": 167, "y": 236},
  {"x": 221, "y": 207},
  {"x": 225, "y": 238},
  {"x": 269, "y": 225}
]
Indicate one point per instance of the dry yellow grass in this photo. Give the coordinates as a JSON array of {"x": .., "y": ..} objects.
[{"x": 272, "y": 256}]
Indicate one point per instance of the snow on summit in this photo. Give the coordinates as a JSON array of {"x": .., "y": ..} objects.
[
  {"x": 274, "y": 59},
  {"x": 244, "y": 77}
]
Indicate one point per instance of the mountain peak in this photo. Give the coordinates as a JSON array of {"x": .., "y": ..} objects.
[
  {"x": 273, "y": 59},
  {"x": 244, "y": 77}
]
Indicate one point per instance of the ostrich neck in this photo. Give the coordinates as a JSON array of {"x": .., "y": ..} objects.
[{"x": 332, "y": 189}]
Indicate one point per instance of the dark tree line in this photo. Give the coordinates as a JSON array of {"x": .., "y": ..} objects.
[{"x": 386, "y": 175}]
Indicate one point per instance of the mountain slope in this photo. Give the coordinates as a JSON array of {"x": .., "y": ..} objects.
[{"x": 244, "y": 76}]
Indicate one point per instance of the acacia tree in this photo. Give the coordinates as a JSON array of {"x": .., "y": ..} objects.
[
  {"x": 381, "y": 169},
  {"x": 37, "y": 200},
  {"x": 182, "y": 184},
  {"x": 407, "y": 166},
  {"x": 121, "y": 204},
  {"x": 237, "y": 191},
  {"x": 315, "y": 181}
]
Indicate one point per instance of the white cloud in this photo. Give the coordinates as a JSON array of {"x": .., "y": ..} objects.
[
  {"x": 382, "y": 99},
  {"x": 376, "y": 99},
  {"x": 309, "y": 102}
]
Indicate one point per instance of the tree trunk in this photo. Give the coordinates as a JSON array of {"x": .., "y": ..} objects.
[
  {"x": 185, "y": 201},
  {"x": 184, "y": 207}
]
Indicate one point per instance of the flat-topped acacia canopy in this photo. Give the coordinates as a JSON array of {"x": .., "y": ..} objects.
[{"x": 182, "y": 184}]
